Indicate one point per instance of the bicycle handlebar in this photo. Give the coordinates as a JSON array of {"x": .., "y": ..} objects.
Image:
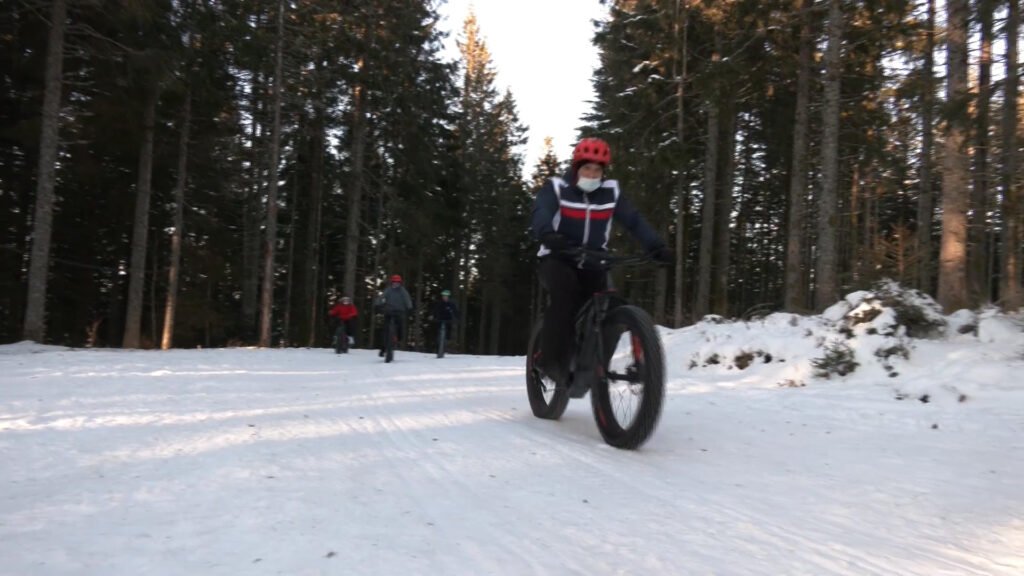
[{"x": 604, "y": 259}]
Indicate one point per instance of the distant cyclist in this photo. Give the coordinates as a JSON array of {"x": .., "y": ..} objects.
[
  {"x": 344, "y": 316},
  {"x": 396, "y": 304},
  {"x": 446, "y": 314}
]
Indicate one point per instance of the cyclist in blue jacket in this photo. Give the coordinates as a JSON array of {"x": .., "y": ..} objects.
[{"x": 576, "y": 211}]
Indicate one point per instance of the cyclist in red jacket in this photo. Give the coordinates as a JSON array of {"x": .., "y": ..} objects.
[{"x": 343, "y": 314}]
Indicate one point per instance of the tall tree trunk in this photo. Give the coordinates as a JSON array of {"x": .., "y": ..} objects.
[
  {"x": 681, "y": 185},
  {"x": 140, "y": 230},
  {"x": 979, "y": 278},
  {"x": 270, "y": 242},
  {"x": 495, "y": 326},
  {"x": 179, "y": 223},
  {"x": 926, "y": 198},
  {"x": 251, "y": 214},
  {"x": 290, "y": 284},
  {"x": 707, "y": 223},
  {"x": 463, "y": 276},
  {"x": 355, "y": 192},
  {"x": 376, "y": 264},
  {"x": 826, "y": 289},
  {"x": 42, "y": 222},
  {"x": 795, "y": 287},
  {"x": 1010, "y": 290},
  {"x": 953, "y": 255},
  {"x": 743, "y": 201},
  {"x": 661, "y": 292},
  {"x": 416, "y": 327},
  {"x": 154, "y": 258},
  {"x": 723, "y": 211},
  {"x": 313, "y": 231},
  {"x": 485, "y": 301}
]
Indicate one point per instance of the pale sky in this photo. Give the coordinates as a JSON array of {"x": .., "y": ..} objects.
[{"x": 541, "y": 50}]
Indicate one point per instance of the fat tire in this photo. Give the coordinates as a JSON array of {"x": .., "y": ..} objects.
[
  {"x": 639, "y": 324},
  {"x": 545, "y": 409}
]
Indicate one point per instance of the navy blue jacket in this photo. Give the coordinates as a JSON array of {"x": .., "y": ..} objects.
[
  {"x": 585, "y": 219},
  {"x": 446, "y": 311}
]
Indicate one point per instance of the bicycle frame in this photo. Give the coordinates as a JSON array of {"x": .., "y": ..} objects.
[{"x": 588, "y": 350}]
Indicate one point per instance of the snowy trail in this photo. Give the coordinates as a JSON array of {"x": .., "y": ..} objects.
[{"x": 303, "y": 462}]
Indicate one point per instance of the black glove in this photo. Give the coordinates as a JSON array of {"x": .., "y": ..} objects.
[
  {"x": 663, "y": 255},
  {"x": 555, "y": 241}
]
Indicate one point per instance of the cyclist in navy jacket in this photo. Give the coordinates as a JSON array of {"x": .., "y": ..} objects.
[{"x": 576, "y": 211}]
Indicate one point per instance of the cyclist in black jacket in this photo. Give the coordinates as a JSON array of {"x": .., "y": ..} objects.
[{"x": 446, "y": 312}]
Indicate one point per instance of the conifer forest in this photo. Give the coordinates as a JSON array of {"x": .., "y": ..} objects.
[{"x": 183, "y": 173}]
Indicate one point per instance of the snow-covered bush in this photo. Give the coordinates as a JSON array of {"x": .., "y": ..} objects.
[{"x": 839, "y": 359}]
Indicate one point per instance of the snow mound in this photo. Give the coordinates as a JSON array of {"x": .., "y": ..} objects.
[
  {"x": 889, "y": 335},
  {"x": 30, "y": 347}
]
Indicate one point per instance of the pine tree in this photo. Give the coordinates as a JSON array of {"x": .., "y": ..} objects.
[
  {"x": 952, "y": 293},
  {"x": 826, "y": 266},
  {"x": 1011, "y": 291},
  {"x": 39, "y": 268},
  {"x": 796, "y": 282}
]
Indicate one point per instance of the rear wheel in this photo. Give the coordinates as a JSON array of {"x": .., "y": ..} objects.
[
  {"x": 628, "y": 398},
  {"x": 546, "y": 401},
  {"x": 442, "y": 334}
]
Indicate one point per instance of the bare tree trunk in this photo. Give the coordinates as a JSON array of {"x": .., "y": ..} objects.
[
  {"x": 1010, "y": 290},
  {"x": 251, "y": 219},
  {"x": 137, "y": 266},
  {"x": 707, "y": 224},
  {"x": 926, "y": 201},
  {"x": 481, "y": 334},
  {"x": 179, "y": 222},
  {"x": 681, "y": 185},
  {"x": 826, "y": 289},
  {"x": 795, "y": 287},
  {"x": 154, "y": 258},
  {"x": 289, "y": 285},
  {"x": 416, "y": 329},
  {"x": 979, "y": 280},
  {"x": 953, "y": 257},
  {"x": 660, "y": 294},
  {"x": 743, "y": 201},
  {"x": 352, "y": 233},
  {"x": 723, "y": 212},
  {"x": 313, "y": 231},
  {"x": 857, "y": 252},
  {"x": 463, "y": 280},
  {"x": 270, "y": 242},
  {"x": 495, "y": 326},
  {"x": 42, "y": 223}
]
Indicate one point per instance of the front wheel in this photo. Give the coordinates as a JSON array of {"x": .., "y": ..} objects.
[
  {"x": 546, "y": 401},
  {"x": 628, "y": 398}
]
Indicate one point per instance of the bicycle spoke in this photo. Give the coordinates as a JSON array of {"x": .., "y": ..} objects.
[{"x": 625, "y": 377}]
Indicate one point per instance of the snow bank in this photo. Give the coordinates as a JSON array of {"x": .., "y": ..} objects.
[{"x": 888, "y": 336}]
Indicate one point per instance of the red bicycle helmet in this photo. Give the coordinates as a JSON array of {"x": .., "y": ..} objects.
[
  {"x": 396, "y": 278},
  {"x": 592, "y": 150}
]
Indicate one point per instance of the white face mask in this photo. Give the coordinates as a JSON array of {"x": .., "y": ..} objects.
[{"x": 588, "y": 184}]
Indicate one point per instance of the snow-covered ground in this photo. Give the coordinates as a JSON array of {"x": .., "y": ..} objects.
[{"x": 245, "y": 461}]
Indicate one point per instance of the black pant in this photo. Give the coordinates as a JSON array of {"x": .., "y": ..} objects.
[
  {"x": 568, "y": 289},
  {"x": 348, "y": 327},
  {"x": 399, "y": 320},
  {"x": 449, "y": 327}
]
